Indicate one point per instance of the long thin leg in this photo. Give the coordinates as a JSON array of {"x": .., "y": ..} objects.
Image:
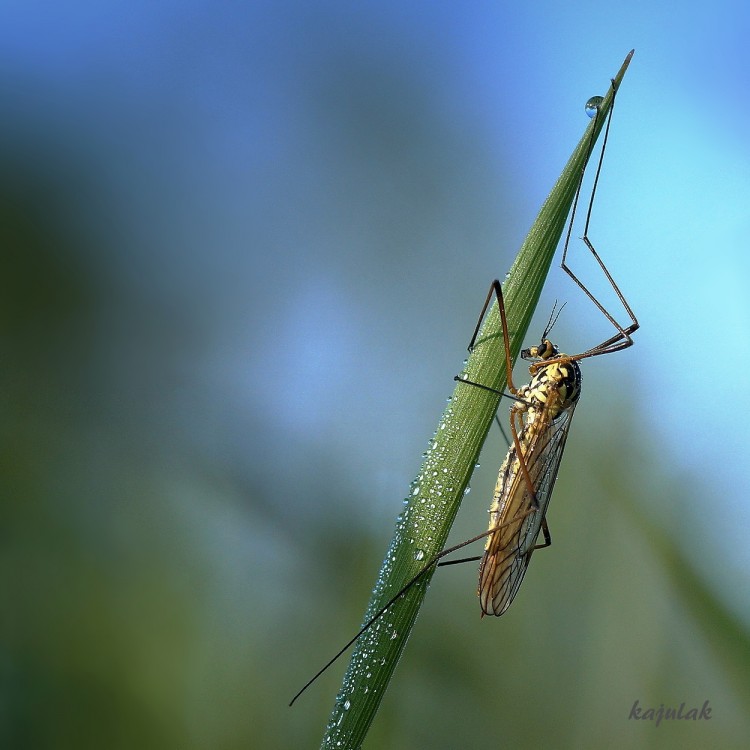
[
  {"x": 475, "y": 558},
  {"x": 514, "y": 414},
  {"x": 547, "y": 536},
  {"x": 622, "y": 339},
  {"x": 521, "y": 458},
  {"x": 502, "y": 431},
  {"x": 498, "y": 291},
  {"x": 430, "y": 564}
]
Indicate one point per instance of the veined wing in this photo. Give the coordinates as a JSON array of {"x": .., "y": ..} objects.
[{"x": 518, "y": 512}]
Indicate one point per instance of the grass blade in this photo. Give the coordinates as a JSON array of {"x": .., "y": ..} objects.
[{"x": 423, "y": 526}]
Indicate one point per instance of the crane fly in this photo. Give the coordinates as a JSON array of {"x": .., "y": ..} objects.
[{"x": 540, "y": 419}]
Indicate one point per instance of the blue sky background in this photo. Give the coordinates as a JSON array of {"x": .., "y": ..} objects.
[{"x": 293, "y": 212}]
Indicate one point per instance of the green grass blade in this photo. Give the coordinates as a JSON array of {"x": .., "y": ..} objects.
[{"x": 423, "y": 526}]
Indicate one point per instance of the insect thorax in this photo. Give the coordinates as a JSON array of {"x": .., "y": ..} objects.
[{"x": 556, "y": 385}]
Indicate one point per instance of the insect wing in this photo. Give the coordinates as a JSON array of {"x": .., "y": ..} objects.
[{"x": 518, "y": 512}]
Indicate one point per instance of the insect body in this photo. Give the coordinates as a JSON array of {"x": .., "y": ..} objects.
[{"x": 527, "y": 476}]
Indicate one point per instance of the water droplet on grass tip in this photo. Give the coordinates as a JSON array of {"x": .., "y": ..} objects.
[{"x": 592, "y": 105}]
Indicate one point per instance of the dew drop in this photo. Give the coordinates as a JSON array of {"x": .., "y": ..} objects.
[
  {"x": 419, "y": 554},
  {"x": 592, "y": 105},
  {"x": 347, "y": 705}
]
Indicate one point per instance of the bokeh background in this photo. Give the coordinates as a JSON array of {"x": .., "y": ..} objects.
[{"x": 243, "y": 249}]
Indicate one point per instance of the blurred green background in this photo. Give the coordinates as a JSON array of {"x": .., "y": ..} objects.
[{"x": 243, "y": 251}]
